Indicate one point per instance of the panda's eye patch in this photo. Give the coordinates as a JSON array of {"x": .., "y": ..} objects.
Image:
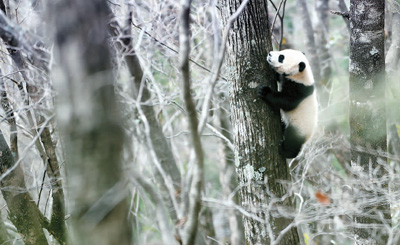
[{"x": 281, "y": 58}]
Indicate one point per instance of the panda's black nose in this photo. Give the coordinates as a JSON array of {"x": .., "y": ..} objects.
[{"x": 269, "y": 54}]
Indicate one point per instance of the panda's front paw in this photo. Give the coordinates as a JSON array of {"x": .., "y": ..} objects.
[
  {"x": 264, "y": 91},
  {"x": 266, "y": 94}
]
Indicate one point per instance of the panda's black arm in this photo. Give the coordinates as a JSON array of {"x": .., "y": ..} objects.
[
  {"x": 289, "y": 98},
  {"x": 277, "y": 100}
]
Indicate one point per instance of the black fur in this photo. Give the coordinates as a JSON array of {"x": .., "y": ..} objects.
[
  {"x": 302, "y": 66},
  {"x": 281, "y": 58},
  {"x": 291, "y": 95},
  {"x": 291, "y": 143}
]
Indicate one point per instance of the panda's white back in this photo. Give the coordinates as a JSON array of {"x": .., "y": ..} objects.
[
  {"x": 305, "y": 124},
  {"x": 305, "y": 116}
]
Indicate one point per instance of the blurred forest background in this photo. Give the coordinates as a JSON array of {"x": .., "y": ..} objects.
[{"x": 116, "y": 126}]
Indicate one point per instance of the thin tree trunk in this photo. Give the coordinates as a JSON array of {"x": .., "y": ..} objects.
[
  {"x": 23, "y": 211},
  {"x": 257, "y": 131},
  {"x": 393, "y": 54},
  {"x": 56, "y": 227},
  {"x": 321, "y": 36},
  {"x": 189, "y": 231},
  {"x": 18, "y": 44},
  {"x": 309, "y": 38},
  {"x": 367, "y": 115}
]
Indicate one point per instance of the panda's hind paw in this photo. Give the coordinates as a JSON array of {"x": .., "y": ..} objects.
[{"x": 287, "y": 153}]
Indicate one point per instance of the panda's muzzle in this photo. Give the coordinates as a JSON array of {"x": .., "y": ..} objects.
[{"x": 269, "y": 57}]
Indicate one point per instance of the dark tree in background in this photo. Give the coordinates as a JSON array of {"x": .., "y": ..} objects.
[
  {"x": 91, "y": 123},
  {"x": 256, "y": 130},
  {"x": 368, "y": 115}
]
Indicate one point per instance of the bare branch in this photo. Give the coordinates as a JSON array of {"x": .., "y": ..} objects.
[
  {"x": 190, "y": 227},
  {"x": 344, "y": 12},
  {"x": 161, "y": 213},
  {"x": 281, "y": 17},
  {"x": 217, "y": 66},
  {"x": 345, "y": 15},
  {"x": 176, "y": 52},
  {"x": 18, "y": 40}
]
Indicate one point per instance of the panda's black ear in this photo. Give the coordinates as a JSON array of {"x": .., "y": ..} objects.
[{"x": 302, "y": 66}]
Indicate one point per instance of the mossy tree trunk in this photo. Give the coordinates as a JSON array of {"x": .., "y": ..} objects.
[
  {"x": 368, "y": 117},
  {"x": 23, "y": 212},
  {"x": 257, "y": 131}
]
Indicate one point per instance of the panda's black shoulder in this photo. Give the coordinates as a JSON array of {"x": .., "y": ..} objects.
[{"x": 296, "y": 89}]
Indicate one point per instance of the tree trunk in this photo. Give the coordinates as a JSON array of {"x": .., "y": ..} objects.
[
  {"x": 257, "y": 131},
  {"x": 367, "y": 116},
  {"x": 23, "y": 212},
  {"x": 324, "y": 56},
  {"x": 91, "y": 122},
  {"x": 228, "y": 179}
]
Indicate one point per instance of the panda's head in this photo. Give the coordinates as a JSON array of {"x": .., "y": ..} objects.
[{"x": 291, "y": 63}]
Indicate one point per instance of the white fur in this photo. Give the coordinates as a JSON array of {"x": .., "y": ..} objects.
[{"x": 304, "y": 117}]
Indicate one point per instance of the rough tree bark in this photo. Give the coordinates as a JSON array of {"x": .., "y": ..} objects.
[
  {"x": 90, "y": 121},
  {"x": 256, "y": 130},
  {"x": 367, "y": 114}
]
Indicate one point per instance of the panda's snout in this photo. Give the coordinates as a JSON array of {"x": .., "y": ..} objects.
[{"x": 269, "y": 57}]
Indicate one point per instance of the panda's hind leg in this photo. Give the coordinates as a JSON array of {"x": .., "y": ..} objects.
[{"x": 292, "y": 142}]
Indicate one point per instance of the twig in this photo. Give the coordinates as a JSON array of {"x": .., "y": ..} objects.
[
  {"x": 175, "y": 51},
  {"x": 343, "y": 14},
  {"x": 280, "y": 18},
  {"x": 41, "y": 187}
]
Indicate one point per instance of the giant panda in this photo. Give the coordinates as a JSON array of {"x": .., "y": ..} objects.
[{"x": 296, "y": 100}]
